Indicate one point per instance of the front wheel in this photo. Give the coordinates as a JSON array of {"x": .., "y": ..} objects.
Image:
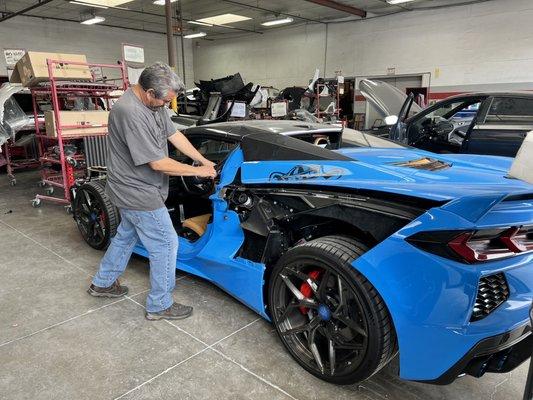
[
  {"x": 329, "y": 317},
  {"x": 97, "y": 218}
]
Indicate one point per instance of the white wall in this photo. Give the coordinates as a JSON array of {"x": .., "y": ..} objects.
[
  {"x": 99, "y": 43},
  {"x": 465, "y": 48}
]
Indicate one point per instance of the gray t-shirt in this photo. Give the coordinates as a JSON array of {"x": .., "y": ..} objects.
[{"x": 137, "y": 136}]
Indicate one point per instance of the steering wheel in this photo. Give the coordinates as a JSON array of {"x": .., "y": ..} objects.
[
  {"x": 198, "y": 185},
  {"x": 443, "y": 128}
]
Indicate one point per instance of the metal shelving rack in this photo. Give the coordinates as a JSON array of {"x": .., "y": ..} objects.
[
  {"x": 12, "y": 165},
  {"x": 68, "y": 167}
]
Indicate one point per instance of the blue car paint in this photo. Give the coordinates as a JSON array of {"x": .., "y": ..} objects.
[
  {"x": 212, "y": 257},
  {"x": 430, "y": 298}
]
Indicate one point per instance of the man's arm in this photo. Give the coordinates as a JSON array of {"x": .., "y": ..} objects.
[
  {"x": 172, "y": 167},
  {"x": 181, "y": 143}
]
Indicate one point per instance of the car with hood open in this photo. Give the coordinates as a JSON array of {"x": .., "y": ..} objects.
[
  {"x": 356, "y": 255},
  {"x": 494, "y": 123}
]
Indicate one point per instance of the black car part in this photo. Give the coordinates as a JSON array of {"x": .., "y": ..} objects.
[{"x": 277, "y": 217}]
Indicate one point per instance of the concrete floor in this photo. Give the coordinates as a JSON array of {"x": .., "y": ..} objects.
[{"x": 57, "y": 342}]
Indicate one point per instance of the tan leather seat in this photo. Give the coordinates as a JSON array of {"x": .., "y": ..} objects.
[{"x": 197, "y": 224}]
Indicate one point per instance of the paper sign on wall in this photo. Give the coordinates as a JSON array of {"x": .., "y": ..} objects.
[
  {"x": 13, "y": 55},
  {"x": 133, "y": 54}
]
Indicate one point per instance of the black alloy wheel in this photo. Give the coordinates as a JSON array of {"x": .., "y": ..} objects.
[
  {"x": 97, "y": 218},
  {"x": 329, "y": 317}
]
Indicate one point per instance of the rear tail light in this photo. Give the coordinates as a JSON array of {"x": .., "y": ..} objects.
[{"x": 476, "y": 246}]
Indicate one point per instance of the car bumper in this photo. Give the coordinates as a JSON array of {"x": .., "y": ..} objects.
[
  {"x": 497, "y": 354},
  {"x": 431, "y": 299}
]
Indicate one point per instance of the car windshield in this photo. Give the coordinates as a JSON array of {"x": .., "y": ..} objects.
[{"x": 353, "y": 138}]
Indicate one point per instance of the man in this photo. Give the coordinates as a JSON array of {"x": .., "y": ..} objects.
[{"x": 138, "y": 167}]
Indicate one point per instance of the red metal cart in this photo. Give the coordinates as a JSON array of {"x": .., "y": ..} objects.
[{"x": 59, "y": 169}]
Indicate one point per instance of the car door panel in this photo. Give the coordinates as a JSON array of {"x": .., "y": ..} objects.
[{"x": 495, "y": 140}]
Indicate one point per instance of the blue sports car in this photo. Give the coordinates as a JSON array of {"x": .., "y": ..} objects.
[{"x": 404, "y": 252}]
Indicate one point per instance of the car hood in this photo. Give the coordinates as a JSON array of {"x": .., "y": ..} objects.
[
  {"x": 386, "y": 99},
  {"x": 409, "y": 172}
]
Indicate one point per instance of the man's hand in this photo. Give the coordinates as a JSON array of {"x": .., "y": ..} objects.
[
  {"x": 206, "y": 171},
  {"x": 206, "y": 163}
]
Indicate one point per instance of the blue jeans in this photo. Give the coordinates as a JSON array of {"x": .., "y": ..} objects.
[{"x": 156, "y": 232}]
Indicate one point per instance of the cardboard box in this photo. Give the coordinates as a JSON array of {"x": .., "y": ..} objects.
[
  {"x": 72, "y": 123},
  {"x": 32, "y": 68}
]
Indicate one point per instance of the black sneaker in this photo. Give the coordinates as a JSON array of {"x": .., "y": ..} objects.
[
  {"x": 115, "y": 290},
  {"x": 175, "y": 311}
]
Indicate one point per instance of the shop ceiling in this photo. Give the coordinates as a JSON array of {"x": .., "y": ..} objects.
[{"x": 144, "y": 15}]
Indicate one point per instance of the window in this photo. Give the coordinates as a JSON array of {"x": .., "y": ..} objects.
[
  {"x": 213, "y": 149},
  {"x": 510, "y": 110},
  {"x": 460, "y": 113}
]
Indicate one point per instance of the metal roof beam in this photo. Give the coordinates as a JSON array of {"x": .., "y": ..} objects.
[
  {"x": 25, "y": 10},
  {"x": 340, "y": 7}
]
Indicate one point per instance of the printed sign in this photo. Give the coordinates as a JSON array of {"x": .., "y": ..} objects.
[
  {"x": 278, "y": 109},
  {"x": 133, "y": 54},
  {"x": 13, "y": 55},
  {"x": 238, "y": 110}
]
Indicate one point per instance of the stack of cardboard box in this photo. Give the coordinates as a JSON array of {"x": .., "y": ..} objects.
[{"x": 32, "y": 69}]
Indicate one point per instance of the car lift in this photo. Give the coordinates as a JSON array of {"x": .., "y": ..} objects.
[{"x": 528, "y": 394}]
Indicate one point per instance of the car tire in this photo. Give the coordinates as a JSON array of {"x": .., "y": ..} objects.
[
  {"x": 96, "y": 217},
  {"x": 364, "y": 316}
]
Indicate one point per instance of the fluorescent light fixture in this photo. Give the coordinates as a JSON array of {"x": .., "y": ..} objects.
[
  {"x": 199, "y": 23},
  {"x": 162, "y": 2},
  {"x": 398, "y": 1},
  {"x": 195, "y": 35},
  {"x": 223, "y": 19},
  {"x": 275, "y": 22},
  {"x": 101, "y": 3},
  {"x": 82, "y": 3},
  {"x": 93, "y": 20}
]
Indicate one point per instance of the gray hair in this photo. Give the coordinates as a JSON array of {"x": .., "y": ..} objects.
[{"x": 162, "y": 79}]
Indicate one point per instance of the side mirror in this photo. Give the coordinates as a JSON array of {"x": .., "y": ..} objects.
[{"x": 391, "y": 120}]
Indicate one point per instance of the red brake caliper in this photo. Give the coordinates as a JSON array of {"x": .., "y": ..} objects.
[{"x": 306, "y": 289}]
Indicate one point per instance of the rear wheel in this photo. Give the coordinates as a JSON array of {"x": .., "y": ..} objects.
[
  {"x": 328, "y": 316},
  {"x": 97, "y": 218}
]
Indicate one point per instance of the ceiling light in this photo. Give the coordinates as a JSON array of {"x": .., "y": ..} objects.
[
  {"x": 195, "y": 35},
  {"x": 287, "y": 20},
  {"x": 398, "y": 1},
  {"x": 199, "y": 23},
  {"x": 82, "y": 3},
  {"x": 102, "y": 3},
  {"x": 93, "y": 20},
  {"x": 224, "y": 19},
  {"x": 162, "y": 2}
]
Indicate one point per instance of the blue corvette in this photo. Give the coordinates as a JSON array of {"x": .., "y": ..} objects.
[{"x": 393, "y": 251}]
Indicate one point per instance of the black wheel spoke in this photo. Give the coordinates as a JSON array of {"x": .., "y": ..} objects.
[
  {"x": 311, "y": 342},
  {"x": 351, "y": 324},
  {"x": 292, "y": 288},
  {"x": 87, "y": 198},
  {"x": 321, "y": 291},
  {"x": 304, "y": 328},
  {"x": 331, "y": 353}
]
